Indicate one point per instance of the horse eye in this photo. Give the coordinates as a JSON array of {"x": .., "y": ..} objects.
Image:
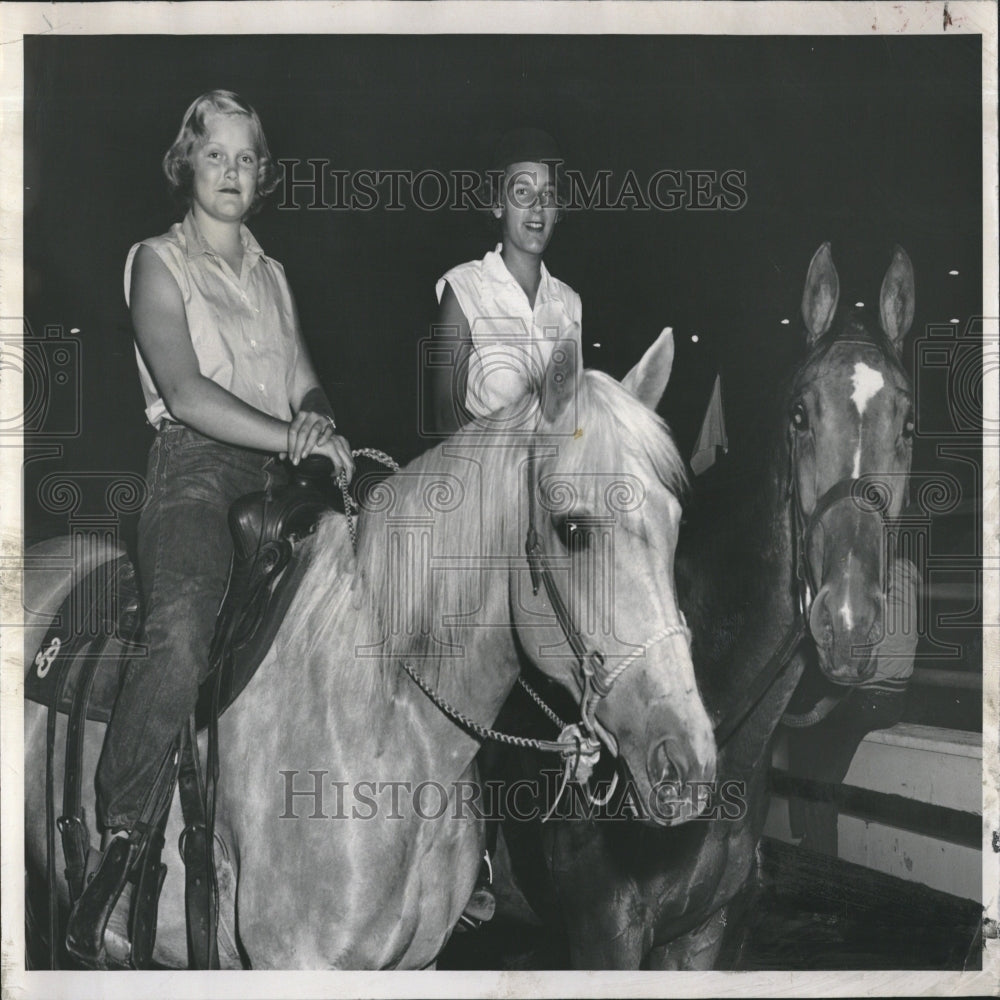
[
  {"x": 908, "y": 426},
  {"x": 571, "y": 531},
  {"x": 799, "y": 417}
]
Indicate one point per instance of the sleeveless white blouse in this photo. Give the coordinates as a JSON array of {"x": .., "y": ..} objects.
[
  {"x": 512, "y": 343},
  {"x": 243, "y": 327}
]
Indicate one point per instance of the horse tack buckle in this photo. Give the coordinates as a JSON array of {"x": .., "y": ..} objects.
[
  {"x": 592, "y": 666},
  {"x": 581, "y": 753},
  {"x": 533, "y": 551}
]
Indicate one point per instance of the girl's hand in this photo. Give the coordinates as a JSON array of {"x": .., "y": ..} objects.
[
  {"x": 338, "y": 450},
  {"x": 306, "y": 432}
]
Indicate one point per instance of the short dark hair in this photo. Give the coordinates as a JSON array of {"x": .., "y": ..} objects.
[{"x": 177, "y": 160}]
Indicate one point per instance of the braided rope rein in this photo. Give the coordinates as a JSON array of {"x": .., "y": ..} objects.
[
  {"x": 351, "y": 510},
  {"x": 350, "y": 505}
]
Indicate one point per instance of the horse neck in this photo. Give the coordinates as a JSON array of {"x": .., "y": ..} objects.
[
  {"x": 475, "y": 682},
  {"x": 760, "y": 536},
  {"x": 411, "y": 592}
]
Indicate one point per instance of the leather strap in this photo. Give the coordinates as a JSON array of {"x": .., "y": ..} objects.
[
  {"x": 146, "y": 897},
  {"x": 66, "y": 654},
  {"x": 72, "y": 826},
  {"x": 761, "y": 684},
  {"x": 50, "y": 817},
  {"x": 72, "y": 823},
  {"x": 196, "y": 851},
  {"x": 591, "y": 661}
]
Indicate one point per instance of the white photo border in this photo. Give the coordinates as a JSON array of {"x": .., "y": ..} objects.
[{"x": 975, "y": 17}]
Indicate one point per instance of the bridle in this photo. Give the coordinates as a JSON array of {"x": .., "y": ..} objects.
[
  {"x": 863, "y": 491},
  {"x": 597, "y": 680},
  {"x": 579, "y": 744},
  {"x": 869, "y": 495}
]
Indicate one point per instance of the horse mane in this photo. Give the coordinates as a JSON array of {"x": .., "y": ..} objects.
[{"x": 470, "y": 491}]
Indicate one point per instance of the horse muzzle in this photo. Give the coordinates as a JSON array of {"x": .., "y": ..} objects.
[
  {"x": 680, "y": 781},
  {"x": 845, "y": 629}
]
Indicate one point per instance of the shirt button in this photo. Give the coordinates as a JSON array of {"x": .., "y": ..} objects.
[
  {"x": 253, "y": 343},
  {"x": 260, "y": 385}
]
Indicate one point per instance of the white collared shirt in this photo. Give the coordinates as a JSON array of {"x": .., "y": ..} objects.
[
  {"x": 243, "y": 327},
  {"x": 512, "y": 342}
]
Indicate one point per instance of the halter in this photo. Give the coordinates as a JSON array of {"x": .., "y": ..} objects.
[{"x": 849, "y": 488}]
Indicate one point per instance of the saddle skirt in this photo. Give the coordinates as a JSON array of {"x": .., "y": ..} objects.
[
  {"x": 94, "y": 622},
  {"x": 102, "y": 611}
]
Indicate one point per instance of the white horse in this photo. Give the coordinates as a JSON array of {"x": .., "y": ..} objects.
[{"x": 343, "y": 837}]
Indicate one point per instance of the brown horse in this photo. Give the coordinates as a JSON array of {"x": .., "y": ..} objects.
[
  {"x": 344, "y": 833},
  {"x": 788, "y": 569}
]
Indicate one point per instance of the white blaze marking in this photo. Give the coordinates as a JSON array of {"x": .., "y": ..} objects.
[
  {"x": 867, "y": 383},
  {"x": 845, "y": 608}
]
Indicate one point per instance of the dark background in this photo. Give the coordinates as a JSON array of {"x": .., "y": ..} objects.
[{"x": 864, "y": 142}]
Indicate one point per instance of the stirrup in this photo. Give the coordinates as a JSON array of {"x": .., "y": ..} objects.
[{"x": 88, "y": 921}]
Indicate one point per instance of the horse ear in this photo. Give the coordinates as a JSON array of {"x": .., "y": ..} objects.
[
  {"x": 819, "y": 300},
  {"x": 648, "y": 380},
  {"x": 897, "y": 298},
  {"x": 561, "y": 379}
]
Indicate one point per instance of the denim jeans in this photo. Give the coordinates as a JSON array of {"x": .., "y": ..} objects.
[{"x": 184, "y": 553}]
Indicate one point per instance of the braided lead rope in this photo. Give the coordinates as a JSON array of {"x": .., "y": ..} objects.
[
  {"x": 539, "y": 701},
  {"x": 350, "y": 507},
  {"x": 566, "y": 744},
  {"x": 579, "y": 753}
]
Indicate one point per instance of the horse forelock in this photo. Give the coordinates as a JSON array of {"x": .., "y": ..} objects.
[
  {"x": 469, "y": 491},
  {"x": 856, "y": 332}
]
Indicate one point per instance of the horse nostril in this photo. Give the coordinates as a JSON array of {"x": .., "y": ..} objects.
[
  {"x": 820, "y": 621},
  {"x": 866, "y": 665},
  {"x": 660, "y": 767}
]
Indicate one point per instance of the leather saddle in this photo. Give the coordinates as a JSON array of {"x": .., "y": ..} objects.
[
  {"x": 267, "y": 568},
  {"x": 76, "y": 672}
]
